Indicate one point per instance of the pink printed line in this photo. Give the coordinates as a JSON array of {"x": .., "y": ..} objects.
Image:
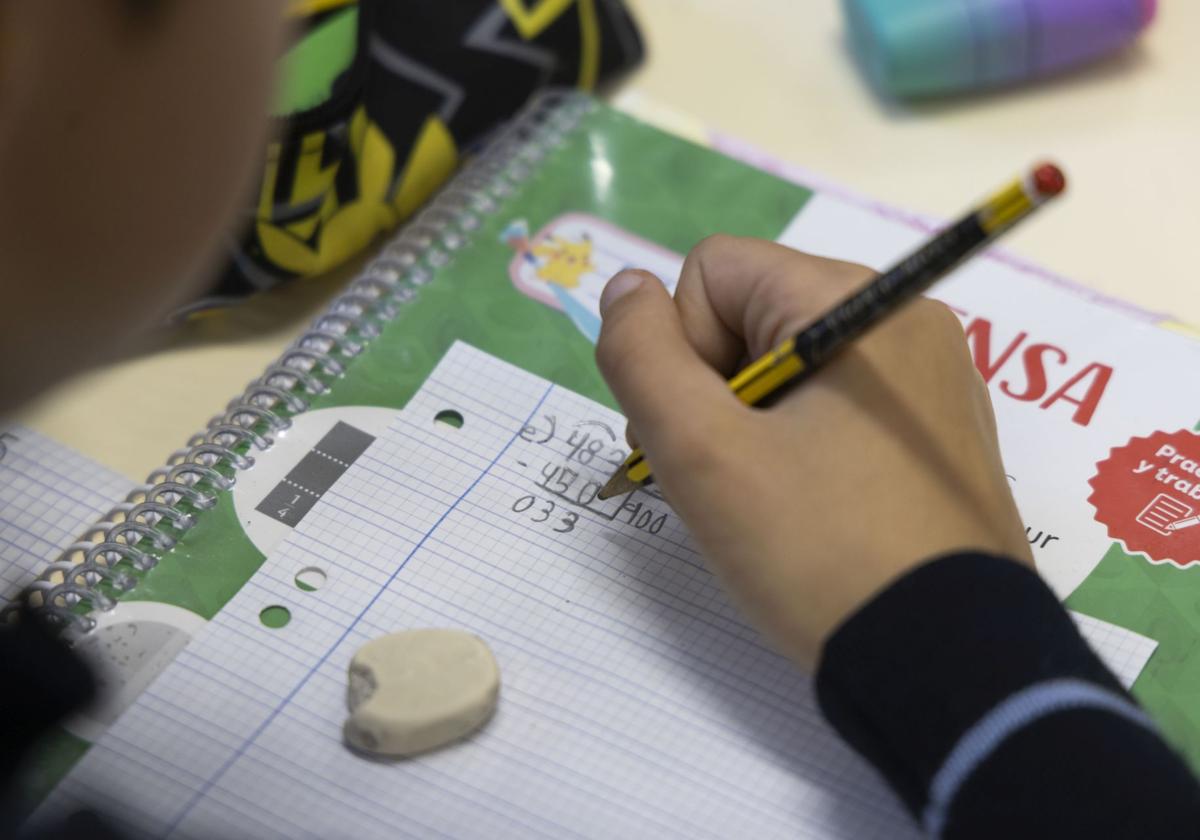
[{"x": 748, "y": 153}]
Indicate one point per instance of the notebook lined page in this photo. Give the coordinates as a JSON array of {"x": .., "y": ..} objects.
[
  {"x": 49, "y": 494},
  {"x": 635, "y": 702}
]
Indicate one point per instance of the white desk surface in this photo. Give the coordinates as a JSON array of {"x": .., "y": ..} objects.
[{"x": 777, "y": 73}]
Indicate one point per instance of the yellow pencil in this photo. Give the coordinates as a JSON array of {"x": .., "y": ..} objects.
[{"x": 797, "y": 358}]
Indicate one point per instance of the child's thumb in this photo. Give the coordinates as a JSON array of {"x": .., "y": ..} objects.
[{"x": 668, "y": 392}]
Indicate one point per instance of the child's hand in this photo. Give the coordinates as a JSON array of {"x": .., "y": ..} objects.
[{"x": 884, "y": 459}]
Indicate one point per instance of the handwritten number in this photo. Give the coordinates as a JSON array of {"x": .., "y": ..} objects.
[
  {"x": 593, "y": 449},
  {"x": 523, "y": 504},
  {"x": 543, "y": 513},
  {"x": 597, "y": 452},
  {"x": 569, "y": 521},
  {"x": 588, "y": 494},
  {"x": 616, "y": 457}
]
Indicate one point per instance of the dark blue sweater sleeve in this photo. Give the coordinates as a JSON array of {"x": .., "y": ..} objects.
[{"x": 968, "y": 686}]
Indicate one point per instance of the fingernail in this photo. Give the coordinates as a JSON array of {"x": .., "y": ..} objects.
[{"x": 622, "y": 284}]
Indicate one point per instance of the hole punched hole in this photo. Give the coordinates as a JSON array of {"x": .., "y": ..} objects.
[
  {"x": 450, "y": 417},
  {"x": 310, "y": 579},
  {"x": 275, "y": 616}
]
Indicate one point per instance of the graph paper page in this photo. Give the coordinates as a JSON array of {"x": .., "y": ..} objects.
[
  {"x": 634, "y": 703},
  {"x": 1123, "y": 651},
  {"x": 49, "y": 494}
]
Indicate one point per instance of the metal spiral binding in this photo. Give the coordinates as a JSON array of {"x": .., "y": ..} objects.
[{"x": 129, "y": 541}]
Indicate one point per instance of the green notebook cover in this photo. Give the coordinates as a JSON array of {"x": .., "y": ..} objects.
[
  {"x": 503, "y": 259},
  {"x": 568, "y": 156},
  {"x": 666, "y": 190}
]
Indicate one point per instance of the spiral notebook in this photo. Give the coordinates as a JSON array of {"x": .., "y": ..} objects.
[
  {"x": 49, "y": 494},
  {"x": 510, "y": 258},
  {"x": 635, "y": 699}
]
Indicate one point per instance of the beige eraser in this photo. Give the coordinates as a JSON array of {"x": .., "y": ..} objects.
[{"x": 417, "y": 690}]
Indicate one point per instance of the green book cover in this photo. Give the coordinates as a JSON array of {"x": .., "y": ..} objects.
[{"x": 509, "y": 258}]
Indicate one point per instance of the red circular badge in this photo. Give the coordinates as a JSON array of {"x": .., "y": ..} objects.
[{"x": 1147, "y": 493}]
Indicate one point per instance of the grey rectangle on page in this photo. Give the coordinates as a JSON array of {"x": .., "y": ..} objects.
[
  {"x": 314, "y": 474},
  {"x": 344, "y": 442}
]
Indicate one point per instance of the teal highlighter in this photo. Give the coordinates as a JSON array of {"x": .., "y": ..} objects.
[{"x": 915, "y": 48}]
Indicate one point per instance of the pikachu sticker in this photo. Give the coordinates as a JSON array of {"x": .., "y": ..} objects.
[{"x": 566, "y": 264}]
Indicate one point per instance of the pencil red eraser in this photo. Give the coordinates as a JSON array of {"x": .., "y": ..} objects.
[{"x": 1049, "y": 180}]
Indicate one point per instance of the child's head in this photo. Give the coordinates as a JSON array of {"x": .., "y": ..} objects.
[{"x": 129, "y": 131}]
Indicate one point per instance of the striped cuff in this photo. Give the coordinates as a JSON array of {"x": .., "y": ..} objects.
[
  {"x": 931, "y": 675},
  {"x": 1013, "y": 714}
]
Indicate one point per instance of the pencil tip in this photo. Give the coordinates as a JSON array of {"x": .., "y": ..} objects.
[{"x": 618, "y": 485}]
